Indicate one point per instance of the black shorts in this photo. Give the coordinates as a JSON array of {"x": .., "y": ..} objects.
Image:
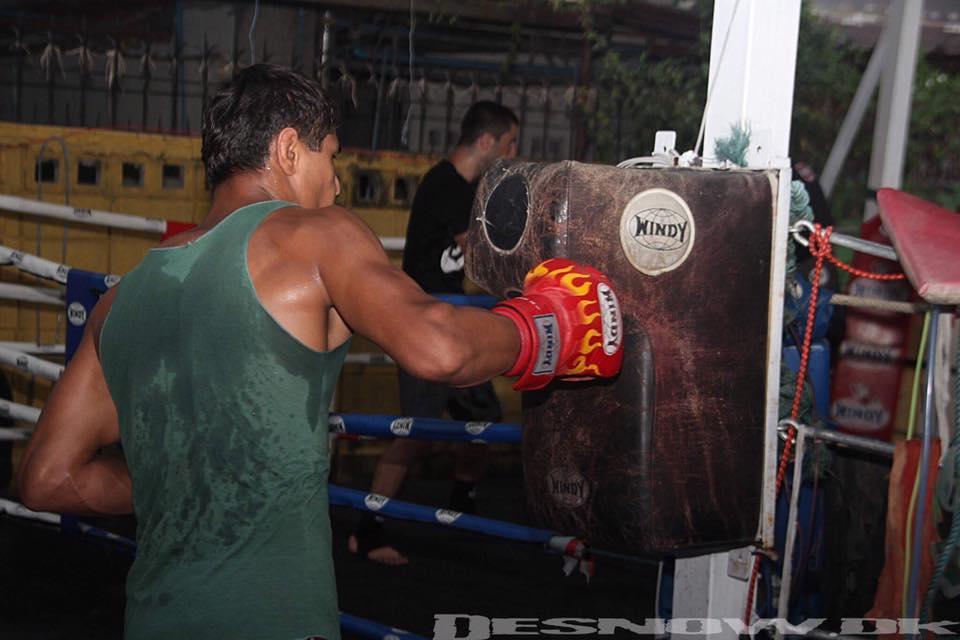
[{"x": 423, "y": 399}]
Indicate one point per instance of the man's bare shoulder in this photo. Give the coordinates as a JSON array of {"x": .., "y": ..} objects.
[{"x": 309, "y": 229}]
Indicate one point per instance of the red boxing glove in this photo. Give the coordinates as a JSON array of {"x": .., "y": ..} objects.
[{"x": 569, "y": 322}]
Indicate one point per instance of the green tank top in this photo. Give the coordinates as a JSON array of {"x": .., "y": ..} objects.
[{"x": 223, "y": 419}]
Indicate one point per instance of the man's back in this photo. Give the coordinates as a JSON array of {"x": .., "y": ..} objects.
[{"x": 223, "y": 417}]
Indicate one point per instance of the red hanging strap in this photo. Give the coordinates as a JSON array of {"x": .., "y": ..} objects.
[{"x": 821, "y": 249}]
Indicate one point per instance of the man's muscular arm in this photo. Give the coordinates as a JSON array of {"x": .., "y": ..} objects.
[
  {"x": 430, "y": 339},
  {"x": 66, "y": 467}
]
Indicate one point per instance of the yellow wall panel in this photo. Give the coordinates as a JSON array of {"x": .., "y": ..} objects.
[{"x": 369, "y": 389}]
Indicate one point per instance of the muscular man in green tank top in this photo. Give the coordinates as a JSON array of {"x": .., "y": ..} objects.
[{"x": 214, "y": 362}]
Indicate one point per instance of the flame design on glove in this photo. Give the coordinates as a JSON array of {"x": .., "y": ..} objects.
[{"x": 561, "y": 276}]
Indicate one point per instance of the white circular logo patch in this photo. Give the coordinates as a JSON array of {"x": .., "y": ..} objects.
[
  {"x": 476, "y": 428},
  {"x": 375, "y": 502},
  {"x": 401, "y": 426},
  {"x": 336, "y": 424},
  {"x": 446, "y": 516},
  {"x": 77, "y": 314},
  {"x": 567, "y": 487},
  {"x": 656, "y": 231},
  {"x": 111, "y": 280}
]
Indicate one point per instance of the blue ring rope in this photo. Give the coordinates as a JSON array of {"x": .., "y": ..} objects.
[
  {"x": 381, "y": 426},
  {"x": 341, "y": 496}
]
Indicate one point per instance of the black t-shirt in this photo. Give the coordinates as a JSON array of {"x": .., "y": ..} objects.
[{"x": 441, "y": 210}]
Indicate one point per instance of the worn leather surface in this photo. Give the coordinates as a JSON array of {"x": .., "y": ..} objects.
[{"x": 668, "y": 456}]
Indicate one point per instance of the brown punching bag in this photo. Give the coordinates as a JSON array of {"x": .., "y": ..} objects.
[{"x": 666, "y": 458}]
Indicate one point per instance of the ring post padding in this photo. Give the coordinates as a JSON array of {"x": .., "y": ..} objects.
[
  {"x": 343, "y": 497},
  {"x": 84, "y": 288},
  {"x": 369, "y": 629},
  {"x": 381, "y": 426}
]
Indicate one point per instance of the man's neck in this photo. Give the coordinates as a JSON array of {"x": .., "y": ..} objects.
[
  {"x": 238, "y": 191},
  {"x": 468, "y": 163}
]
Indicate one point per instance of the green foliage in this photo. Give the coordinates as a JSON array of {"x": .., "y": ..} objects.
[{"x": 638, "y": 95}]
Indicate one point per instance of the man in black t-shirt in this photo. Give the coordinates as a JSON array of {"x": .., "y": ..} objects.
[{"x": 433, "y": 257}]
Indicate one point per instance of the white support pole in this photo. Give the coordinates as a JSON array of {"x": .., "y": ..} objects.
[
  {"x": 854, "y": 118},
  {"x": 752, "y": 66},
  {"x": 896, "y": 92},
  {"x": 753, "y": 56},
  {"x": 708, "y": 589}
]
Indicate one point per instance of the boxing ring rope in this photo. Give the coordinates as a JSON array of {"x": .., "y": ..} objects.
[
  {"x": 18, "y": 411},
  {"x": 568, "y": 546},
  {"x": 34, "y": 348},
  {"x": 36, "y": 295},
  {"x": 94, "y": 217},
  {"x": 66, "y": 523},
  {"x": 30, "y": 364},
  {"x": 381, "y": 426},
  {"x": 127, "y": 221},
  {"x": 34, "y": 264}
]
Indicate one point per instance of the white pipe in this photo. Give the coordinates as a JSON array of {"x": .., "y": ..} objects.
[
  {"x": 30, "y": 364},
  {"x": 19, "y": 411},
  {"x": 34, "y": 264},
  {"x": 786, "y": 578},
  {"x": 85, "y": 216},
  {"x": 24, "y": 293},
  {"x": 34, "y": 348}
]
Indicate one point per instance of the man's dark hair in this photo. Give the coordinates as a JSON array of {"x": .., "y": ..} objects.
[
  {"x": 243, "y": 117},
  {"x": 485, "y": 117}
]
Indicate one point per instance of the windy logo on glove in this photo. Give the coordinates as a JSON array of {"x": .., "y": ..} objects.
[{"x": 570, "y": 325}]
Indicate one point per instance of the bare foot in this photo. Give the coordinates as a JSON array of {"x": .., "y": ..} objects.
[{"x": 384, "y": 555}]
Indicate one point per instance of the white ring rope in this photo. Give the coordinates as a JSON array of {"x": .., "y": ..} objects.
[
  {"x": 129, "y": 221},
  {"x": 368, "y": 358},
  {"x": 19, "y": 411},
  {"x": 24, "y": 293},
  {"x": 30, "y": 364},
  {"x": 16, "y": 509},
  {"x": 34, "y": 348},
  {"x": 34, "y": 264},
  {"x": 81, "y": 214},
  {"x": 41, "y": 267},
  {"x": 7, "y": 434},
  {"x": 393, "y": 243}
]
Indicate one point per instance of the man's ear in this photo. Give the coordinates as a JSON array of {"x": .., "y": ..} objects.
[
  {"x": 486, "y": 141},
  {"x": 287, "y": 149}
]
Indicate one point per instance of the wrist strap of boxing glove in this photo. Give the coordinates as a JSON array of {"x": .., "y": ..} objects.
[{"x": 536, "y": 364}]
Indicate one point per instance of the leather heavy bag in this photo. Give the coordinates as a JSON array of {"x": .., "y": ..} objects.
[{"x": 666, "y": 458}]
